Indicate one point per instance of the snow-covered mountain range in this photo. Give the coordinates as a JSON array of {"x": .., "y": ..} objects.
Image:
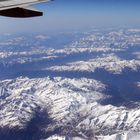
[
  {"x": 88, "y": 89},
  {"x": 73, "y": 106}
]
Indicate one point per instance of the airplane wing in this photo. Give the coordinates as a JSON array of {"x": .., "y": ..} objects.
[{"x": 20, "y": 8}]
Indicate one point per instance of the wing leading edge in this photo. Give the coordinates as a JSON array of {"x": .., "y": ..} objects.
[{"x": 16, "y": 8}]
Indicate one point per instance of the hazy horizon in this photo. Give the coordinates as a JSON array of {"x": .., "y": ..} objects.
[{"x": 61, "y": 15}]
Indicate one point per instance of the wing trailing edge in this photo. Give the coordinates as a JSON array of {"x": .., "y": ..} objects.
[{"x": 20, "y": 12}]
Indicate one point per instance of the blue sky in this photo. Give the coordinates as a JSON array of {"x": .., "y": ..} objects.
[{"x": 61, "y": 15}]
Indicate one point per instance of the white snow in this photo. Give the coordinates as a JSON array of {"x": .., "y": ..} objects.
[
  {"x": 110, "y": 63},
  {"x": 69, "y": 102}
]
